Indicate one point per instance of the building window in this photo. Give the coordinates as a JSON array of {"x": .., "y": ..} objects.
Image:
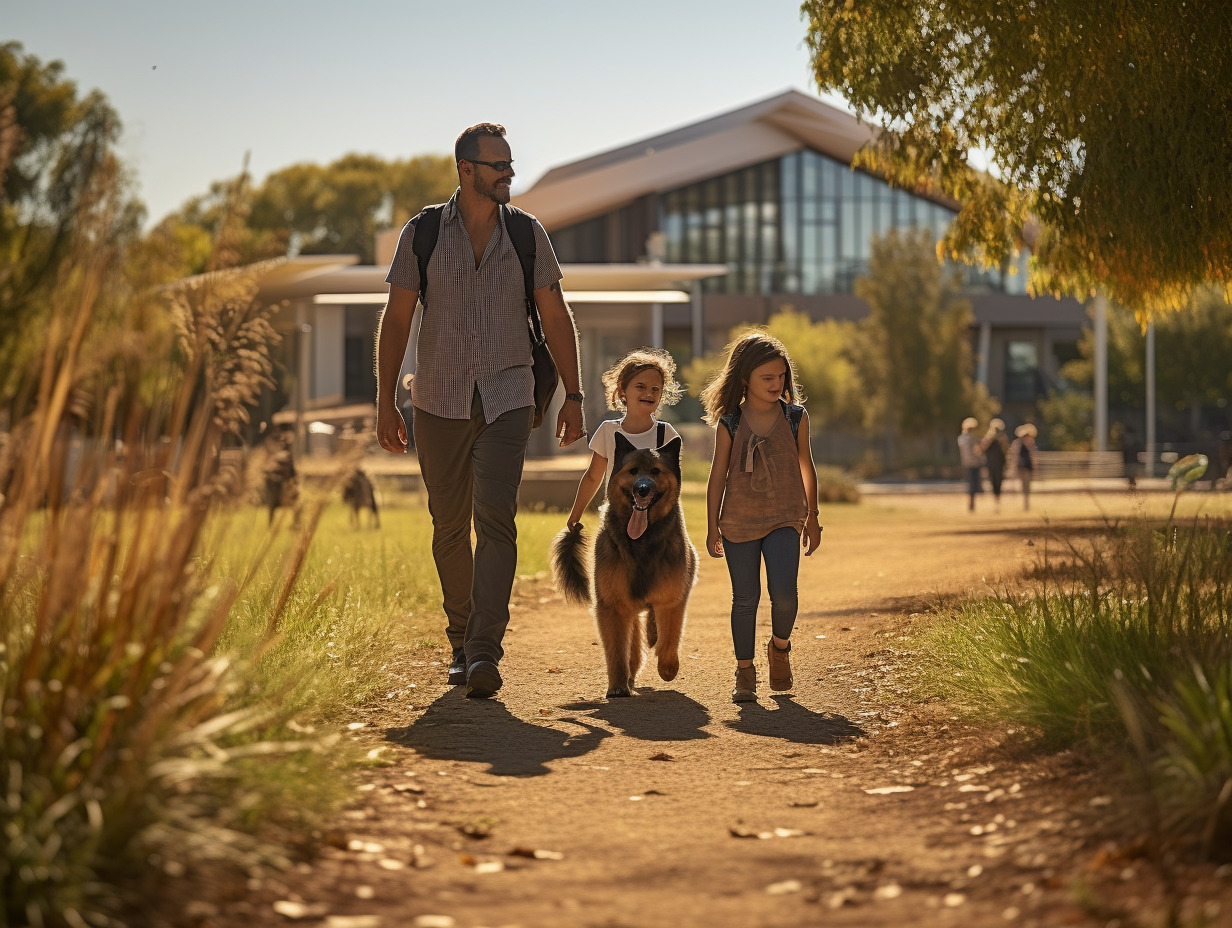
[{"x": 1022, "y": 374}]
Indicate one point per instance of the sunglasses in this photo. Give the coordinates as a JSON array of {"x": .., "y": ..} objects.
[{"x": 501, "y": 166}]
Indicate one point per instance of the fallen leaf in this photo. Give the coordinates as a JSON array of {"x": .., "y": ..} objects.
[
  {"x": 888, "y": 891},
  {"x": 434, "y": 921},
  {"x": 489, "y": 866},
  {"x": 536, "y": 853},
  {"x": 545, "y": 711},
  {"x": 409, "y": 788},
  {"x": 297, "y": 910},
  {"x": 662, "y": 755},
  {"x": 388, "y": 863},
  {"x": 785, "y": 887},
  {"x": 887, "y": 790}
]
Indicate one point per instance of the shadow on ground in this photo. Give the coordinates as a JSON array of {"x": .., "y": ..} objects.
[
  {"x": 483, "y": 731},
  {"x": 652, "y": 715},
  {"x": 794, "y": 722}
]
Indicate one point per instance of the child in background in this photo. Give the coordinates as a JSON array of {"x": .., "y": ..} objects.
[
  {"x": 761, "y": 499},
  {"x": 637, "y": 385}
]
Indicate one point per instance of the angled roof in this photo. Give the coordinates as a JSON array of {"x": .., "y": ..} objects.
[{"x": 767, "y": 129}]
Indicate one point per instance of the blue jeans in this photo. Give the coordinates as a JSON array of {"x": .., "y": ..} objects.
[{"x": 781, "y": 552}]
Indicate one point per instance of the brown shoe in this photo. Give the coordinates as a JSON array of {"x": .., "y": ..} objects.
[
  {"x": 780, "y": 666},
  {"x": 746, "y": 684}
]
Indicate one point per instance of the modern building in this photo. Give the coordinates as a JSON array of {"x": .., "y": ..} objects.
[
  {"x": 674, "y": 240},
  {"x": 767, "y": 192}
]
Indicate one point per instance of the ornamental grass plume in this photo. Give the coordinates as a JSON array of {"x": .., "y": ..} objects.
[{"x": 122, "y": 731}]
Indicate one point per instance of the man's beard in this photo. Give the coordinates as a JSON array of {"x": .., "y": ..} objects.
[{"x": 491, "y": 191}]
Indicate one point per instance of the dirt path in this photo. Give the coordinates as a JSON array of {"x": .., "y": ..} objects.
[{"x": 678, "y": 808}]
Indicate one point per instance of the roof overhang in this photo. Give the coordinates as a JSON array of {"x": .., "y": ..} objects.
[
  {"x": 759, "y": 132},
  {"x": 365, "y": 284}
]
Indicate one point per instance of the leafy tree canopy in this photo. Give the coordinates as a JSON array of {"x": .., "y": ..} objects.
[
  {"x": 1109, "y": 128},
  {"x": 912, "y": 355},
  {"x": 316, "y": 209},
  {"x": 56, "y": 153}
]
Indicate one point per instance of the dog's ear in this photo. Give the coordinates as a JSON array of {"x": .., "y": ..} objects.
[
  {"x": 671, "y": 454},
  {"x": 624, "y": 448}
]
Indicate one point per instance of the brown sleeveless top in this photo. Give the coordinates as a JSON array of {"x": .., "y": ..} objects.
[{"x": 765, "y": 490}]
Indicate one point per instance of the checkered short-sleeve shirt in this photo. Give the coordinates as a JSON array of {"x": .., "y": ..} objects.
[{"x": 473, "y": 334}]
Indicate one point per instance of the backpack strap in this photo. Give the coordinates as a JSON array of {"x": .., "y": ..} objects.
[
  {"x": 522, "y": 236},
  {"x": 794, "y": 414},
  {"x": 661, "y": 435},
  {"x": 731, "y": 421},
  {"x": 423, "y": 243}
]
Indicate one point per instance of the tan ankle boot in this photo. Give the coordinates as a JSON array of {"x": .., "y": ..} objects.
[
  {"x": 780, "y": 666},
  {"x": 746, "y": 684}
]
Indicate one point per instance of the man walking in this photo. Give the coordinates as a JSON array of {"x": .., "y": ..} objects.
[{"x": 473, "y": 392}]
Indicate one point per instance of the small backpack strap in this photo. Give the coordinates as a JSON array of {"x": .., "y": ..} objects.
[
  {"x": 423, "y": 243},
  {"x": 731, "y": 421},
  {"x": 794, "y": 414},
  {"x": 661, "y": 434},
  {"x": 522, "y": 236}
]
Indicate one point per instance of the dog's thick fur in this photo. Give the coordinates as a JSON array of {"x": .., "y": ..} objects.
[{"x": 653, "y": 573}]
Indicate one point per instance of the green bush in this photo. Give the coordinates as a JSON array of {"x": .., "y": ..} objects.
[{"x": 1126, "y": 640}]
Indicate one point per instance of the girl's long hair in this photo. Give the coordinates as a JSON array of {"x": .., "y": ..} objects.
[{"x": 744, "y": 355}]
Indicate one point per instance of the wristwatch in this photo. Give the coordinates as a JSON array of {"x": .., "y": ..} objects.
[{"x": 579, "y": 396}]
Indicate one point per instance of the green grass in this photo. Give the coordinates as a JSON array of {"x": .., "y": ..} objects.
[{"x": 1122, "y": 643}]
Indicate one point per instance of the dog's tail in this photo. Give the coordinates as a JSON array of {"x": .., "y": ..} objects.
[{"x": 569, "y": 568}]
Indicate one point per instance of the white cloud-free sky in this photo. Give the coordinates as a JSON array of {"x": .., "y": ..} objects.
[{"x": 199, "y": 84}]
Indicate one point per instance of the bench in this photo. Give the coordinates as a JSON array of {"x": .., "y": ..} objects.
[{"x": 1076, "y": 465}]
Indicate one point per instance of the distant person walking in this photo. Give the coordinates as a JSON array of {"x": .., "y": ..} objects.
[
  {"x": 1022, "y": 457},
  {"x": 473, "y": 388},
  {"x": 996, "y": 449},
  {"x": 971, "y": 458}
]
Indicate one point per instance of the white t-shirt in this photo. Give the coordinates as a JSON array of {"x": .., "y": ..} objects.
[{"x": 603, "y": 442}]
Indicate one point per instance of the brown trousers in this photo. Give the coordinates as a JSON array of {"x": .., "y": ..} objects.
[{"x": 471, "y": 470}]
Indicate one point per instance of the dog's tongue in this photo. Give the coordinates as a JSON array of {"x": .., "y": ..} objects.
[{"x": 637, "y": 523}]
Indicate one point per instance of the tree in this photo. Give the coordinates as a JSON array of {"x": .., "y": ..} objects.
[
  {"x": 912, "y": 354},
  {"x": 1192, "y": 372},
  {"x": 57, "y": 164},
  {"x": 1109, "y": 128},
  {"x": 338, "y": 208}
]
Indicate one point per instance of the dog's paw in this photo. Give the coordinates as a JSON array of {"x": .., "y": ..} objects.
[
  {"x": 617, "y": 691},
  {"x": 669, "y": 667}
]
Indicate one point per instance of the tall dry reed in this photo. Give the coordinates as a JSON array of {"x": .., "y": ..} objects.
[{"x": 120, "y": 727}]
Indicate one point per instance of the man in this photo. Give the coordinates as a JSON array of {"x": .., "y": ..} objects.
[{"x": 473, "y": 393}]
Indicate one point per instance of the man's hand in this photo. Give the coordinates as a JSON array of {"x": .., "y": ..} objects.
[
  {"x": 569, "y": 423},
  {"x": 391, "y": 430}
]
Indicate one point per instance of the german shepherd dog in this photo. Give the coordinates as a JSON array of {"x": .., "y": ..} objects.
[{"x": 643, "y": 561}]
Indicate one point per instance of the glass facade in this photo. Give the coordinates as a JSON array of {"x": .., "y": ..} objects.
[{"x": 803, "y": 223}]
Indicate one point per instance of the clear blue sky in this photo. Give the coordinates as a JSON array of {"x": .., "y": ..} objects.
[{"x": 198, "y": 85}]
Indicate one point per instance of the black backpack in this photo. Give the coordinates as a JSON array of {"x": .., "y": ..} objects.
[{"x": 522, "y": 236}]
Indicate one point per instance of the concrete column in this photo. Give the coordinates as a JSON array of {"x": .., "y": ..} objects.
[
  {"x": 1150, "y": 399},
  {"x": 985, "y": 353},
  {"x": 656, "y": 325},
  {"x": 303, "y": 375},
  {"x": 1100, "y": 318},
  {"x": 697, "y": 320}
]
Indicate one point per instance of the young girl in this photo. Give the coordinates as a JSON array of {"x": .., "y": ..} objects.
[
  {"x": 761, "y": 500},
  {"x": 637, "y": 385}
]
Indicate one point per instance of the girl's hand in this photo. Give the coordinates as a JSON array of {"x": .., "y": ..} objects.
[
  {"x": 573, "y": 525},
  {"x": 714, "y": 543},
  {"x": 811, "y": 537}
]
